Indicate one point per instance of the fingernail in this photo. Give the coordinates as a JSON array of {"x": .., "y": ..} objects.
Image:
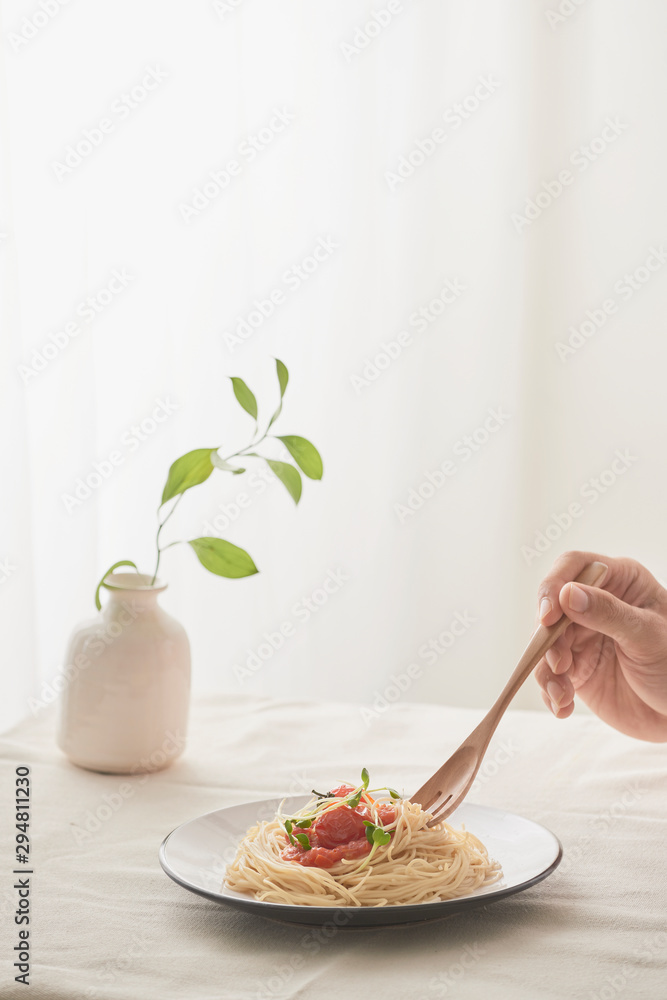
[
  {"x": 555, "y": 692},
  {"x": 552, "y": 657},
  {"x": 578, "y": 599},
  {"x": 545, "y": 607}
]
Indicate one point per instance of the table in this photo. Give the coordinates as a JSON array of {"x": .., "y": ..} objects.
[{"x": 108, "y": 923}]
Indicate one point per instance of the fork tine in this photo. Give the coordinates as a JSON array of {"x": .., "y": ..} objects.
[
  {"x": 430, "y": 801},
  {"x": 440, "y": 806}
]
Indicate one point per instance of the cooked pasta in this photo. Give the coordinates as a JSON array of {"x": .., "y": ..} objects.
[{"x": 399, "y": 860}]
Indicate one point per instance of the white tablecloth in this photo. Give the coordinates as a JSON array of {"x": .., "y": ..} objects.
[{"x": 108, "y": 923}]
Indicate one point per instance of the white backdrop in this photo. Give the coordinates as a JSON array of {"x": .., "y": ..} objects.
[{"x": 406, "y": 140}]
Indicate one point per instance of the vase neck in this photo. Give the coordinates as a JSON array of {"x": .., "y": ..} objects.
[
  {"x": 134, "y": 602},
  {"x": 131, "y": 593}
]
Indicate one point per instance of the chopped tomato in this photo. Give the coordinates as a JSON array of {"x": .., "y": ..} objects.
[
  {"x": 323, "y": 857},
  {"x": 342, "y": 791},
  {"x": 386, "y": 814},
  {"x": 339, "y": 826}
]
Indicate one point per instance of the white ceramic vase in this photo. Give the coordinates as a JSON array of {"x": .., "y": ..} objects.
[{"x": 124, "y": 706}]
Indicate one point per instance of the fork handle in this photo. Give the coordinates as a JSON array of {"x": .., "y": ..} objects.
[{"x": 540, "y": 641}]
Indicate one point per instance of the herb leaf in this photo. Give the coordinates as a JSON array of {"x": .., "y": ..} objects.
[
  {"x": 304, "y": 453},
  {"x": 223, "y": 558},
  {"x": 354, "y": 801},
  {"x": 187, "y": 471},
  {"x": 288, "y": 476},
  {"x": 376, "y": 835},
  {"x": 364, "y": 777},
  {"x": 123, "y": 562},
  {"x": 394, "y": 794},
  {"x": 283, "y": 378},
  {"x": 303, "y": 840},
  {"x": 244, "y": 396}
]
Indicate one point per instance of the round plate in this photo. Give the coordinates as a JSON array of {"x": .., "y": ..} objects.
[{"x": 196, "y": 853}]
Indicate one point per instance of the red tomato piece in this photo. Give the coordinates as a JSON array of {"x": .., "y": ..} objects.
[
  {"x": 342, "y": 791},
  {"x": 386, "y": 814},
  {"x": 323, "y": 857},
  {"x": 339, "y": 826}
]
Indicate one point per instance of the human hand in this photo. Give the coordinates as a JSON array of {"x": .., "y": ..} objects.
[{"x": 614, "y": 656}]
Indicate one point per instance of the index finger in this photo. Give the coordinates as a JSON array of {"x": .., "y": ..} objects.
[{"x": 565, "y": 569}]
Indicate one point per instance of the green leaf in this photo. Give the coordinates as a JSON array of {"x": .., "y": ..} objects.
[
  {"x": 244, "y": 396},
  {"x": 356, "y": 798},
  {"x": 380, "y": 836},
  {"x": 305, "y": 454},
  {"x": 223, "y": 558},
  {"x": 189, "y": 470},
  {"x": 376, "y": 834},
  {"x": 283, "y": 376},
  {"x": 287, "y": 475},
  {"x": 364, "y": 777},
  {"x": 305, "y": 823},
  {"x": 303, "y": 840},
  {"x": 123, "y": 562},
  {"x": 222, "y": 463},
  {"x": 394, "y": 794}
]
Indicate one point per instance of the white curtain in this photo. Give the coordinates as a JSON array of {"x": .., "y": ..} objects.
[{"x": 428, "y": 199}]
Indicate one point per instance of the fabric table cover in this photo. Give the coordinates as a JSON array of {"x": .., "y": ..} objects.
[{"x": 106, "y": 922}]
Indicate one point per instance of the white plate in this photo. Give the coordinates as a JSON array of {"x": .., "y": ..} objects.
[{"x": 195, "y": 855}]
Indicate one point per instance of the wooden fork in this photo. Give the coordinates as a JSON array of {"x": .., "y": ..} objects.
[{"x": 447, "y": 788}]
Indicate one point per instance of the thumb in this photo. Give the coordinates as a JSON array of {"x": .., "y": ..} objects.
[{"x": 599, "y": 610}]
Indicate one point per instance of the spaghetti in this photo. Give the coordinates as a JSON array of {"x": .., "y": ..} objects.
[{"x": 315, "y": 857}]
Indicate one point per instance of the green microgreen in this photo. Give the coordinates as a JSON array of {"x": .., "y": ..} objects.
[
  {"x": 288, "y": 829},
  {"x": 364, "y": 777},
  {"x": 376, "y": 834},
  {"x": 303, "y": 840},
  {"x": 354, "y": 800}
]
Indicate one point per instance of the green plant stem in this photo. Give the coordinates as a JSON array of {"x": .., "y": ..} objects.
[
  {"x": 244, "y": 451},
  {"x": 253, "y": 444},
  {"x": 157, "y": 537},
  {"x": 236, "y": 454}
]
